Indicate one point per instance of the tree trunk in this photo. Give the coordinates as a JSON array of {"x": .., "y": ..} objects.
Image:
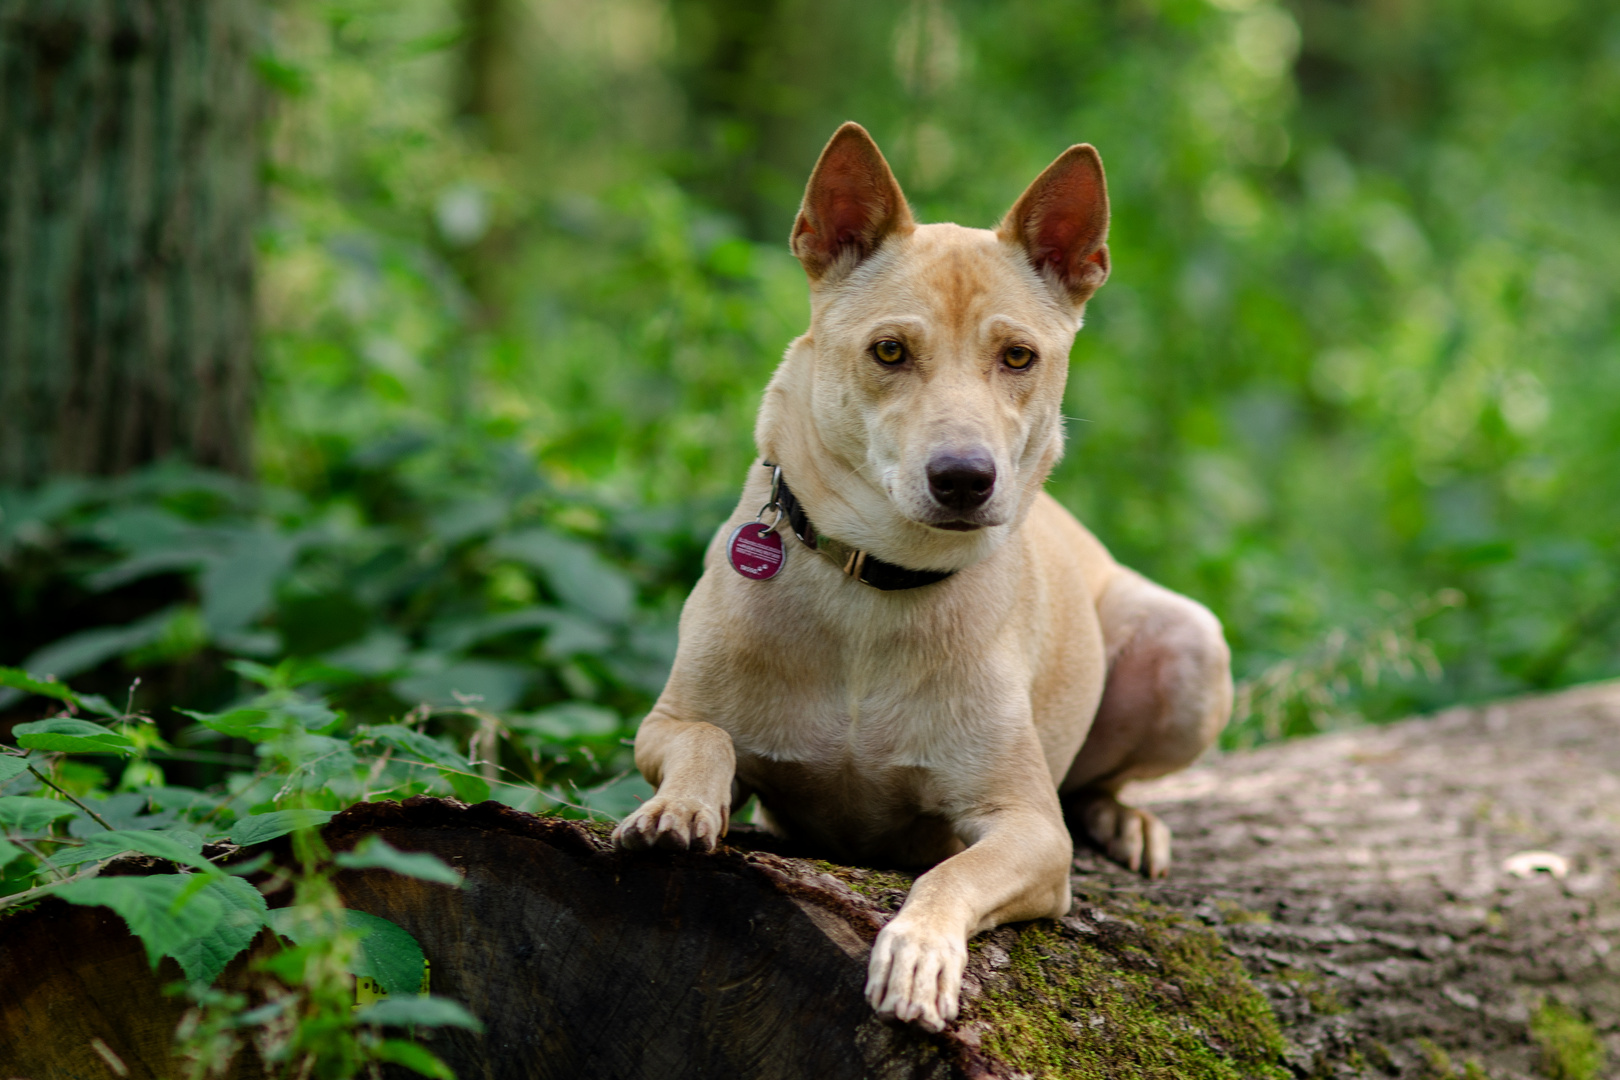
[
  {"x": 129, "y": 137},
  {"x": 1341, "y": 907}
]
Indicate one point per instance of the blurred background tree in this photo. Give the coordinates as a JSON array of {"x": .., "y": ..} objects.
[
  {"x": 1355, "y": 381},
  {"x": 130, "y": 187}
]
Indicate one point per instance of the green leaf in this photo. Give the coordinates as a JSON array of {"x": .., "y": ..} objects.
[
  {"x": 494, "y": 686},
  {"x": 468, "y": 788},
  {"x": 204, "y": 957},
  {"x": 254, "y": 725},
  {"x": 239, "y": 588},
  {"x": 387, "y": 952},
  {"x": 27, "y": 814},
  {"x": 88, "y": 648},
  {"x": 21, "y": 680},
  {"x": 570, "y": 721},
  {"x": 8, "y": 851},
  {"x": 68, "y": 734},
  {"x": 422, "y": 747},
  {"x": 578, "y": 575},
  {"x": 258, "y": 828},
  {"x": 374, "y": 851},
  {"x": 12, "y": 766},
  {"x": 157, "y": 908},
  {"x": 414, "y": 1057},
  {"x": 269, "y": 720},
  {"x": 617, "y": 797},
  {"x": 418, "y": 1012},
  {"x": 184, "y": 848}
]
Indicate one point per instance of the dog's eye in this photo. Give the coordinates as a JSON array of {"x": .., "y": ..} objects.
[
  {"x": 889, "y": 351},
  {"x": 1018, "y": 356}
]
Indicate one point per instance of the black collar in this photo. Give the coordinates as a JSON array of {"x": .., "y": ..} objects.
[{"x": 863, "y": 567}]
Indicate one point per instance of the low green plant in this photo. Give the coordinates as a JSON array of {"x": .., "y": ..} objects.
[
  {"x": 62, "y": 825},
  {"x": 456, "y": 584}
]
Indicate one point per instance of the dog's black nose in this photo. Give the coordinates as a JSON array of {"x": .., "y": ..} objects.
[{"x": 962, "y": 482}]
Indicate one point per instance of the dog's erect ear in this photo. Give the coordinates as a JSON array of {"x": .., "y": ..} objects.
[
  {"x": 1062, "y": 221},
  {"x": 851, "y": 205}
]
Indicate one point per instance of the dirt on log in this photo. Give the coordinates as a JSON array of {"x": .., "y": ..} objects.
[{"x": 1341, "y": 906}]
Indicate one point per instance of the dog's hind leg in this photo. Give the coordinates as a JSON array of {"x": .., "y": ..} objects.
[{"x": 1168, "y": 695}]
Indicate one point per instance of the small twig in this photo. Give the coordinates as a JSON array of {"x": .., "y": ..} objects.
[
  {"x": 48, "y": 781},
  {"x": 376, "y": 772},
  {"x": 45, "y": 859}
]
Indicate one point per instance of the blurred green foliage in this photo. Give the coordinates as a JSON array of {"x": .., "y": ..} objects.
[{"x": 1354, "y": 383}]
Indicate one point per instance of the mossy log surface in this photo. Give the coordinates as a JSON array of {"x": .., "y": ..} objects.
[{"x": 1339, "y": 908}]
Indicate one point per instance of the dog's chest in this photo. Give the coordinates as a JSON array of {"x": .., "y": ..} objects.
[{"x": 877, "y": 777}]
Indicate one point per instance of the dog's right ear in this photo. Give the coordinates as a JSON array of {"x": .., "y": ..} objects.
[{"x": 851, "y": 205}]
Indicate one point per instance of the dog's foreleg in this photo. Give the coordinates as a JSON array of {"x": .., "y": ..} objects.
[
  {"x": 1016, "y": 867},
  {"x": 693, "y": 765}
]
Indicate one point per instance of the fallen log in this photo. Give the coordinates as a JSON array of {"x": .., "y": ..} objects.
[{"x": 1341, "y": 906}]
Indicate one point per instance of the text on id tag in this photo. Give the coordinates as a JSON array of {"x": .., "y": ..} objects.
[{"x": 755, "y": 551}]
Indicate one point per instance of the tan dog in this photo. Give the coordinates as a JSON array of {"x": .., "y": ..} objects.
[{"x": 933, "y": 723}]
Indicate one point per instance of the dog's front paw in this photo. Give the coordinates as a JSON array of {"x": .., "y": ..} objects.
[
  {"x": 674, "y": 822},
  {"x": 916, "y": 974}
]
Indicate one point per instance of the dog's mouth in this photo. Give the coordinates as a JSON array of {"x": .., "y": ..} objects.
[{"x": 957, "y": 526}]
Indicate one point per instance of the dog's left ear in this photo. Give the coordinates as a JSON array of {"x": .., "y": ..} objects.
[
  {"x": 1061, "y": 222},
  {"x": 851, "y": 205}
]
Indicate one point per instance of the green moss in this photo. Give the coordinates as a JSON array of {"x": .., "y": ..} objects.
[
  {"x": 1473, "y": 1070},
  {"x": 876, "y": 885},
  {"x": 1436, "y": 1061},
  {"x": 602, "y": 830},
  {"x": 1380, "y": 1056},
  {"x": 1570, "y": 1049},
  {"x": 1323, "y": 1000},
  {"x": 1156, "y": 997},
  {"x": 1235, "y": 913}
]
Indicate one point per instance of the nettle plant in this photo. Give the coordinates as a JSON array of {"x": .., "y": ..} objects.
[{"x": 64, "y": 822}]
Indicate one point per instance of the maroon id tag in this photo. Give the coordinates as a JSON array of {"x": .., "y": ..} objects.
[{"x": 755, "y": 551}]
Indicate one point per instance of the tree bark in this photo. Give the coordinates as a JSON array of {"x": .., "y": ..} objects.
[
  {"x": 1341, "y": 907},
  {"x": 129, "y": 133}
]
